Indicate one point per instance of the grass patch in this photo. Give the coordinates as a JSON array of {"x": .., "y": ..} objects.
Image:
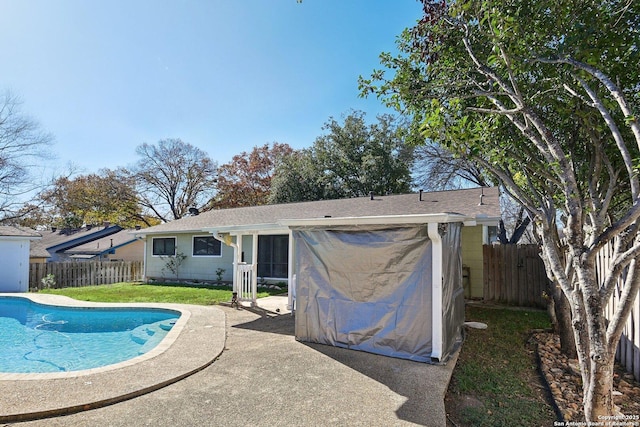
[
  {"x": 498, "y": 373},
  {"x": 162, "y": 293}
]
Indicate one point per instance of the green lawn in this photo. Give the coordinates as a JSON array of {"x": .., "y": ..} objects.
[
  {"x": 496, "y": 370},
  {"x": 495, "y": 367},
  {"x": 165, "y": 293}
]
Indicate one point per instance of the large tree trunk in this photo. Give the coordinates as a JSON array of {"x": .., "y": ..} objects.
[
  {"x": 598, "y": 384},
  {"x": 563, "y": 326},
  {"x": 598, "y": 399},
  {"x": 580, "y": 290}
]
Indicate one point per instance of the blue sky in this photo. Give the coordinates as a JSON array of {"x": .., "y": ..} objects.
[{"x": 224, "y": 75}]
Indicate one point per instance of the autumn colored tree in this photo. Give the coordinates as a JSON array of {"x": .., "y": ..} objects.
[
  {"x": 106, "y": 196},
  {"x": 246, "y": 180}
]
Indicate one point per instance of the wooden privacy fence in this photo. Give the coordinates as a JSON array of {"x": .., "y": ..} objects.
[
  {"x": 514, "y": 274},
  {"x": 628, "y": 352},
  {"x": 85, "y": 273}
]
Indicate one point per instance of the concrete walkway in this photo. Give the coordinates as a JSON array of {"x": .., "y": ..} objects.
[{"x": 264, "y": 377}]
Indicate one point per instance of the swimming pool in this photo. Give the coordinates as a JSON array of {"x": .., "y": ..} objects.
[{"x": 45, "y": 338}]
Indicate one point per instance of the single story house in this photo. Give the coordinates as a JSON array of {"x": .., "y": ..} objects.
[
  {"x": 119, "y": 246},
  {"x": 382, "y": 274},
  {"x": 14, "y": 257},
  {"x": 90, "y": 242}
]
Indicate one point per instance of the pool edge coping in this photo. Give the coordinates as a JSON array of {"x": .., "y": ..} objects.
[
  {"x": 117, "y": 373},
  {"x": 63, "y": 301}
]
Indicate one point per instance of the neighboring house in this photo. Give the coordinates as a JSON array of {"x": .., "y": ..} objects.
[
  {"x": 14, "y": 258},
  {"x": 120, "y": 246},
  {"x": 381, "y": 274},
  {"x": 55, "y": 243}
]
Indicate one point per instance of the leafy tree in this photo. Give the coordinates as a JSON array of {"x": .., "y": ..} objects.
[
  {"x": 246, "y": 180},
  {"x": 107, "y": 196},
  {"x": 173, "y": 176},
  {"x": 32, "y": 215},
  {"x": 299, "y": 177},
  {"x": 544, "y": 95},
  {"x": 23, "y": 147},
  {"x": 351, "y": 160}
]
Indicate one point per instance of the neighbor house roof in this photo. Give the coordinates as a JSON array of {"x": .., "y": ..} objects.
[
  {"x": 102, "y": 245},
  {"x": 463, "y": 202},
  {"x": 56, "y": 240},
  {"x": 15, "y": 231}
]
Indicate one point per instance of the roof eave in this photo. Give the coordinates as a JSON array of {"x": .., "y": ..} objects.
[
  {"x": 378, "y": 220},
  {"x": 25, "y": 237},
  {"x": 249, "y": 228},
  {"x": 141, "y": 234}
]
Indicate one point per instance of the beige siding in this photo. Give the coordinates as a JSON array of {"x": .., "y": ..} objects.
[
  {"x": 472, "y": 258},
  {"x": 131, "y": 252}
]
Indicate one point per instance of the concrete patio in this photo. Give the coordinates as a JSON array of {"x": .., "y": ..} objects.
[{"x": 259, "y": 376}]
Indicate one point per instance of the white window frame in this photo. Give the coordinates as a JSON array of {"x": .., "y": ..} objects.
[
  {"x": 175, "y": 246},
  {"x": 204, "y": 256}
]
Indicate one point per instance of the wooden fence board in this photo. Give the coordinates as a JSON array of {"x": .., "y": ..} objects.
[
  {"x": 628, "y": 351},
  {"x": 85, "y": 273},
  {"x": 514, "y": 274}
]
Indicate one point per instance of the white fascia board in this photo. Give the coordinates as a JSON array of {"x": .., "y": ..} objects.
[
  {"x": 487, "y": 220},
  {"x": 235, "y": 230},
  {"x": 141, "y": 234},
  {"x": 377, "y": 220},
  {"x": 20, "y": 237}
]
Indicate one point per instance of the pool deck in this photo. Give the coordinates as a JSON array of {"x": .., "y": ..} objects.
[
  {"x": 264, "y": 377},
  {"x": 195, "y": 341}
]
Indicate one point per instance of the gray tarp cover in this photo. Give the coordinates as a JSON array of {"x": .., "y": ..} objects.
[
  {"x": 452, "y": 290},
  {"x": 366, "y": 289}
]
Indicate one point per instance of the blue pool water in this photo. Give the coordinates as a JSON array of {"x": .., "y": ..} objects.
[{"x": 44, "y": 338}]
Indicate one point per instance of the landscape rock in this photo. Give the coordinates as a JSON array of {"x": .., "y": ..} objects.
[{"x": 565, "y": 382}]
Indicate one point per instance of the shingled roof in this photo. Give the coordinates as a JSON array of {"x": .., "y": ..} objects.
[
  {"x": 465, "y": 202},
  {"x": 62, "y": 239},
  {"x": 102, "y": 245},
  {"x": 14, "y": 231}
]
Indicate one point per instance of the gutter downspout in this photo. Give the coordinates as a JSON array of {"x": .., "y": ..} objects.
[
  {"x": 254, "y": 275},
  {"x": 291, "y": 282},
  {"x": 235, "y": 254},
  {"x": 436, "y": 290}
]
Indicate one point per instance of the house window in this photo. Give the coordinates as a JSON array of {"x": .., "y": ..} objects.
[
  {"x": 206, "y": 246},
  {"x": 273, "y": 256},
  {"x": 492, "y": 235},
  {"x": 163, "y": 246}
]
